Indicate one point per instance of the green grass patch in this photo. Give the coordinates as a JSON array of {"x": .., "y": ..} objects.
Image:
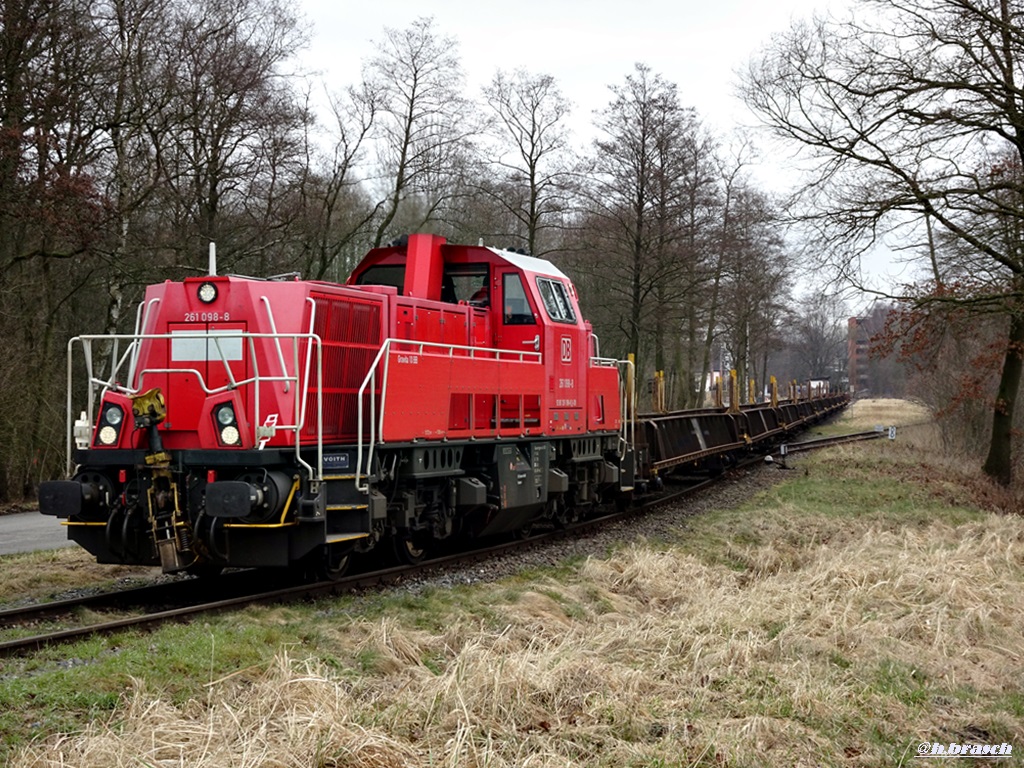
[
  {"x": 902, "y": 682},
  {"x": 61, "y": 688},
  {"x": 841, "y": 617}
]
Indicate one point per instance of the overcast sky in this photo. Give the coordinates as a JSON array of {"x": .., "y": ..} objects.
[{"x": 586, "y": 45}]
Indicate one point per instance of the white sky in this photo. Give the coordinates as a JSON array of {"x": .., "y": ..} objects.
[{"x": 586, "y": 45}]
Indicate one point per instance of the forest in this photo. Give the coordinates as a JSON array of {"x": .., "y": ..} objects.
[{"x": 136, "y": 132}]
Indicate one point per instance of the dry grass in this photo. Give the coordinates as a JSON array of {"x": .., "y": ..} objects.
[
  {"x": 294, "y": 714},
  {"x": 39, "y": 574},
  {"x": 928, "y": 458},
  {"x": 915, "y": 427},
  {"x": 822, "y": 638},
  {"x": 869, "y": 412},
  {"x": 648, "y": 658}
]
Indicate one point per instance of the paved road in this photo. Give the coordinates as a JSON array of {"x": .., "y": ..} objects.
[{"x": 29, "y": 531}]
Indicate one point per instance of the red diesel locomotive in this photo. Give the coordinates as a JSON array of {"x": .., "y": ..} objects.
[{"x": 444, "y": 390}]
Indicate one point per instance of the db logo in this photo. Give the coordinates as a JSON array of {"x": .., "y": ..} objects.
[{"x": 567, "y": 349}]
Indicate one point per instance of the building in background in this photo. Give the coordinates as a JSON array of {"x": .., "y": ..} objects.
[
  {"x": 869, "y": 372},
  {"x": 858, "y": 346}
]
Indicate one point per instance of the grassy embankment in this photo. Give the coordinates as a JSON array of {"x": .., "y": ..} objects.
[{"x": 863, "y": 605}]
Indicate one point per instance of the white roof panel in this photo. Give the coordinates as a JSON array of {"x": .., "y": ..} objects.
[{"x": 530, "y": 263}]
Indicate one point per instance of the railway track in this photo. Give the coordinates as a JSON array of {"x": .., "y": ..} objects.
[
  {"x": 244, "y": 588},
  {"x": 175, "y": 601},
  {"x": 827, "y": 442}
]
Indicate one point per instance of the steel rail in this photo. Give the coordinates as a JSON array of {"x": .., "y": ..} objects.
[
  {"x": 161, "y": 593},
  {"x": 826, "y": 442},
  {"x": 178, "y": 592}
]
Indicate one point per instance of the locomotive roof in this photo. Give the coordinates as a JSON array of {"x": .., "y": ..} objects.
[
  {"x": 452, "y": 253},
  {"x": 530, "y": 263}
]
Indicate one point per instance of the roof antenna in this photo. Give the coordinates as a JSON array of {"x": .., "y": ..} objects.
[{"x": 213, "y": 259}]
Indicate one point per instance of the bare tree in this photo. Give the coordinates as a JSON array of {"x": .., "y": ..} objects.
[
  {"x": 332, "y": 190},
  {"x": 423, "y": 122},
  {"x": 818, "y": 336},
  {"x": 51, "y": 213},
  {"x": 635, "y": 196},
  {"x": 909, "y": 109},
  {"x": 531, "y": 166},
  {"x": 704, "y": 194},
  {"x": 134, "y": 100},
  {"x": 234, "y": 114},
  {"x": 754, "y": 280},
  {"x": 49, "y": 63}
]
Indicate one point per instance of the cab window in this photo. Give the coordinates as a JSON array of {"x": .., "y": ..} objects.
[
  {"x": 516, "y": 309},
  {"x": 556, "y": 300}
]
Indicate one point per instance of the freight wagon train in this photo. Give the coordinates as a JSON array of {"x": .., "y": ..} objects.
[{"x": 444, "y": 391}]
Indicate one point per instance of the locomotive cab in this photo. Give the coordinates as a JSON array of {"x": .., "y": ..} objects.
[
  {"x": 528, "y": 382},
  {"x": 528, "y": 304}
]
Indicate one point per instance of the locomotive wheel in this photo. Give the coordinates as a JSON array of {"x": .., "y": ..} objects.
[
  {"x": 335, "y": 561},
  {"x": 408, "y": 551},
  {"x": 327, "y": 563},
  {"x": 204, "y": 570},
  {"x": 564, "y": 515}
]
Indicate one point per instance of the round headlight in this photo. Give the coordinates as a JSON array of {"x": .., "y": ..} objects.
[
  {"x": 226, "y": 415},
  {"x": 207, "y": 292},
  {"x": 229, "y": 436},
  {"x": 113, "y": 415},
  {"x": 108, "y": 435}
]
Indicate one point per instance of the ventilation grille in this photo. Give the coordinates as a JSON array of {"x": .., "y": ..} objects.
[{"x": 350, "y": 332}]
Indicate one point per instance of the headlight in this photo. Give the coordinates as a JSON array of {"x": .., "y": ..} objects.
[
  {"x": 207, "y": 293},
  {"x": 226, "y": 424},
  {"x": 110, "y": 424},
  {"x": 226, "y": 415}
]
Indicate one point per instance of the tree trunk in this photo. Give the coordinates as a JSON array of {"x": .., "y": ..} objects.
[{"x": 999, "y": 464}]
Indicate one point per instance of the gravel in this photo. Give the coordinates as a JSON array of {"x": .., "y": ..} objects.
[{"x": 662, "y": 523}]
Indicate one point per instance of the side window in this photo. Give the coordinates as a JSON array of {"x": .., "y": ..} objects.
[
  {"x": 515, "y": 309},
  {"x": 556, "y": 300},
  {"x": 465, "y": 282}
]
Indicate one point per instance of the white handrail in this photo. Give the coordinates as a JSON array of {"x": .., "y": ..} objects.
[
  {"x": 227, "y": 366},
  {"x": 273, "y": 329},
  {"x": 141, "y": 321},
  {"x": 135, "y": 383},
  {"x": 367, "y": 380},
  {"x": 627, "y": 387}
]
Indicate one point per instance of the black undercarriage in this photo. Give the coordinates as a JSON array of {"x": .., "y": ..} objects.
[{"x": 201, "y": 511}]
